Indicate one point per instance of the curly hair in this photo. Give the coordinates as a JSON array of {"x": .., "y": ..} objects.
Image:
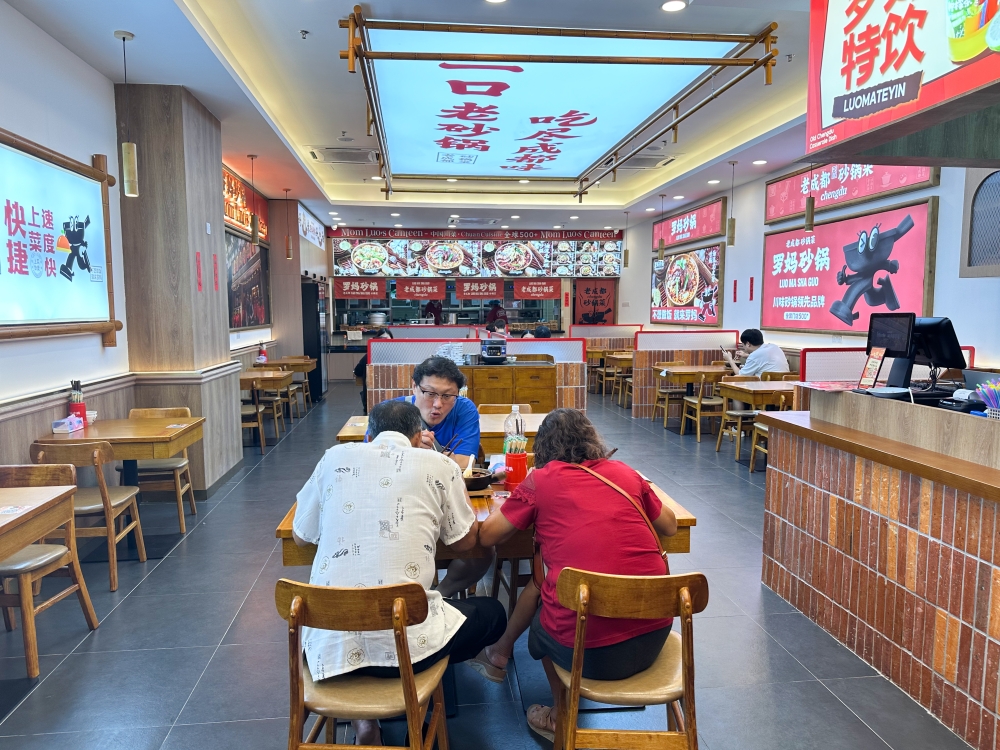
[{"x": 567, "y": 435}]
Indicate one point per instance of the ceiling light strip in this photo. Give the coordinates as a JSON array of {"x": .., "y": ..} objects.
[
  {"x": 463, "y": 178},
  {"x": 722, "y": 62},
  {"x": 456, "y": 191}
]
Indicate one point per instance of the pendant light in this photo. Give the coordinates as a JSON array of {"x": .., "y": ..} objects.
[
  {"x": 288, "y": 229},
  {"x": 254, "y": 221},
  {"x": 662, "y": 245},
  {"x": 731, "y": 224},
  {"x": 625, "y": 238},
  {"x": 130, "y": 171},
  {"x": 810, "y": 205}
]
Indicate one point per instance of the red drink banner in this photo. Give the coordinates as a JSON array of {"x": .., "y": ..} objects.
[
  {"x": 479, "y": 288},
  {"x": 838, "y": 185},
  {"x": 833, "y": 279},
  {"x": 691, "y": 225},
  {"x": 359, "y": 288},
  {"x": 595, "y": 302},
  {"x": 537, "y": 289},
  {"x": 420, "y": 289},
  {"x": 685, "y": 288}
]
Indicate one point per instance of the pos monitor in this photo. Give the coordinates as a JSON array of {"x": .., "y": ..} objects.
[{"x": 931, "y": 342}]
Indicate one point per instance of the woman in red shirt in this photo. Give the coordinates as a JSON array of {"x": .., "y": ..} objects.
[{"x": 580, "y": 522}]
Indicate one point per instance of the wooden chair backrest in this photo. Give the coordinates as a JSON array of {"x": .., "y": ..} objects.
[
  {"x": 719, "y": 363},
  {"x": 790, "y": 377},
  {"x": 631, "y": 597},
  {"x": 333, "y": 608},
  {"x": 31, "y": 475},
  {"x": 502, "y": 408},
  {"x": 96, "y": 453},
  {"x": 669, "y": 363},
  {"x": 163, "y": 412}
]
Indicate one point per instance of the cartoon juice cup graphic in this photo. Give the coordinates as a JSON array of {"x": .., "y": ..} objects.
[{"x": 968, "y": 23}]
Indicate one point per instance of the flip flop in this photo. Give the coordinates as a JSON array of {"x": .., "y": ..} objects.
[
  {"x": 538, "y": 721},
  {"x": 482, "y": 664}
]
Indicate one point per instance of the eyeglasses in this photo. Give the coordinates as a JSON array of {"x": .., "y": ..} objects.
[{"x": 446, "y": 398}]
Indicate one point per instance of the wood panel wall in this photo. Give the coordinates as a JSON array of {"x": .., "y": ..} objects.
[{"x": 286, "y": 275}]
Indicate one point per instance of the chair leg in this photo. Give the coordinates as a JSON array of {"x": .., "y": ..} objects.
[
  {"x": 28, "y": 624},
  {"x": 140, "y": 543},
  {"x": 260, "y": 430},
  {"x": 718, "y": 440},
  {"x": 9, "y": 621},
  {"x": 497, "y": 573},
  {"x": 76, "y": 575},
  {"x": 442, "y": 732},
  {"x": 111, "y": 525},
  {"x": 331, "y": 731},
  {"x": 697, "y": 423},
  {"x": 678, "y": 715},
  {"x": 180, "y": 500},
  {"x": 190, "y": 484},
  {"x": 739, "y": 437},
  {"x": 753, "y": 450}
]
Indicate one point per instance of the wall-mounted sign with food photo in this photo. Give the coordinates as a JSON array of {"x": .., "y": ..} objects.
[
  {"x": 515, "y": 258},
  {"x": 369, "y": 258},
  {"x": 685, "y": 287},
  {"x": 248, "y": 283},
  {"x": 596, "y": 258},
  {"x": 429, "y": 257}
]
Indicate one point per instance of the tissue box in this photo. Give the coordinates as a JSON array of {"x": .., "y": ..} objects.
[{"x": 72, "y": 423}]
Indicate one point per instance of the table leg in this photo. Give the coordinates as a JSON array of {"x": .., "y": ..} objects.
[
  {"x": 690, "y": 389},
  {"x": 130, "y": 473}
]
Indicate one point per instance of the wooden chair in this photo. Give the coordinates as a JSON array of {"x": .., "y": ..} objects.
[
  {"x": 351, "y": 696},
  {"x": 619, "y": 374},
  {"x": 735, "y": 421},
  {"x": 35, "y": 561},
  {"x": 502, "y": 408},
  {"x": 791, "y": 377},
  {"x": 606, "y": 373},
  {"x": 252, "y": 416},
  {"x": 758, "y": 444},
  {"x": 273, "y": 403},
  {"x": 295, "y": 390},
  {"x": 166, "y": 474},
  {"x": 770, "y": 376},
  {"x": 595, "y": 361},
  {"x": 666, "y": 392},
  {"x": 111, "y": 502},
  {"x": 719, "y": 363},
  {"x": 625, "y": 392},
  {"x": 513, "y": 552},
  {"x": 669, "y": 681},
  {"x": 694, "y": 408}
]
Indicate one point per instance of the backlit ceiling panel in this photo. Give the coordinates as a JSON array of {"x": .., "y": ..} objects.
[{"x": 525, "y": 120}]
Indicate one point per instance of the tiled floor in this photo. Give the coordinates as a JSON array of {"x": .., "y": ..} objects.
[{"x": 191, "y": 653}]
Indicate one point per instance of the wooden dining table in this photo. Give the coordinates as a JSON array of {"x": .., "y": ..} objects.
[
  {"x": 295, "y": 364},
  {"x": 688, "y": 375},
  {"x": 134, "y": 439},
  {"x": 270, "y": 380},
  {"x": 757, "y": 393}
]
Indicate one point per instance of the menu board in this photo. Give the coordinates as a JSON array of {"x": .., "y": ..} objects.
[
  {"x": 247, "y": 283},
  {"x": 834, "y": 278},
  {"x": 838, "y": 185},
  {"x": 689, "y": 226},
  {"x": 516, "y": 259},
  {"x": 685, "y": 287}
]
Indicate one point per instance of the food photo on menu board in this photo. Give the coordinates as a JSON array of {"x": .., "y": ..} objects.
[
  {"x": 685, "y": 287},
  {"x": 834, "y": 278},
  {"x": 598, "y": 258},
  {"x": 442, "y": 258},
  {"x": 370, "y": 257},
  {"x": 516, "y": 258}
]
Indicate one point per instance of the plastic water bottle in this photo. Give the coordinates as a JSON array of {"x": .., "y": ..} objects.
[{"x": 513, "y": 428}]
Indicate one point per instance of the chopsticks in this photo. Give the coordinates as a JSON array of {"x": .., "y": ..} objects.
[{"x": 448, "y": 448}]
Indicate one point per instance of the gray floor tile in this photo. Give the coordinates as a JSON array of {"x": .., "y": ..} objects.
[
  {"x": 110, "y": 739},
  {"x": 736, "y": 651},
  {"x": 471, "y": 688},
  {"x": 58, "y": 630},
  {"x": 816, "y": 650},
  {"x": 15, "y": 683},
  {"x": 263, "y": 734},
  {"x": 258, "y": 620},
  {"x": 743, "y": 587},
  {"x": 204, "y": 574}
]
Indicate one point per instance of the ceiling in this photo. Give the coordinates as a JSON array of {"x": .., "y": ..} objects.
[{"x": 280, "y": 95}]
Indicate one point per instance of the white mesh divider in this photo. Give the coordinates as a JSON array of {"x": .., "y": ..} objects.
[
  {"x": 447, "y": 333},
  {"x": 393, "y": 352},
  {"x": 833, "y": 364},
  {"x": 603, "y": 332},
  {"x": 675, "y": 340},
  {"x": 561, "y": 350}
]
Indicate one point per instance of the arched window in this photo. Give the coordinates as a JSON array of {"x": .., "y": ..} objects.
[{"x": 984, "y": 229}]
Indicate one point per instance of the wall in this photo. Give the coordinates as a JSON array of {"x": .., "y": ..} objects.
[
  {"x": 968, "y": 302},
  {"x": 286, "y": 279},
  {"x": 39, "y": 113}
]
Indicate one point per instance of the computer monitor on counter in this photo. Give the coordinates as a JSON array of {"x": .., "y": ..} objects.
[{"x": 911, "y": 340}]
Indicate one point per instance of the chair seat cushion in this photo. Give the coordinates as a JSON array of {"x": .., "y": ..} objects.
[
  {"x": 162, "y": 464},
  {"x": 762, "y": 428},
  {"x": 744, "y": 413},
  {"x": 351, "y": 696},
  {"x": 31, "y": 558},
  {"x": 707, "y": 401},
  {"x": 661, "y": 683},
  {"x": 88, "y": 499},
  {"x": 249, "y": 410}
]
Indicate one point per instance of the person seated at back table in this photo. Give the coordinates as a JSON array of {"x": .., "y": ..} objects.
[
  {"x": 376, "y": 512},
  {"x": 760, "y": 357},
  {"x": 543, "y": 332},
  {"x": 580, "y": 522}
]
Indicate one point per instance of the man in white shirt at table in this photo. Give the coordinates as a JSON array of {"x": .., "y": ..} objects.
[
  {"x": 376, "y": 512},
  {"x": 760, "y": 357}
]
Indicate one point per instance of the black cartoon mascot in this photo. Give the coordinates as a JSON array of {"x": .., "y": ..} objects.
[
  {"x": 74, "y": 229},
  {"x": 866, "y": 258}
]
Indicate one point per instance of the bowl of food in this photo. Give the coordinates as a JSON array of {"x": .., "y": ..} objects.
[
  {"x": 489, "y": 247},
  {"x": 610, "y": 270},
  {"x": 563, "y": 258},
  {"x": 563, "y": 271},
  {"x": 480, "y": 480},
  {"x": 586, "y": 257},
  {"x": 611, "y": 247},
  {"x": 681, "y": 283},
  {"x": 513, "y": 257},
  {"x": 369, "y": 257},
  {"x": 586, "y": 270},
  {"x": 445, "y": 257},
  {"x": 564, "y": 247}
]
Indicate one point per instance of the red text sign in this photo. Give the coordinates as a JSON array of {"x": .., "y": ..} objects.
[
  {"x": 595, "y": 302},
  {"x": 834, "y": 278},
  {"x": 685, "y": 288},
  {"x": 420, "y": 289},
  {"x": 240, "y": 202},
  {"x": 838, "y": 185},
  {"x": 197, "y": 262},
  {"x": 694, "y": 224},
  {"x": 359, "y": 288},
  {"x": 375, "y": 233},
  {"x": 537, "y": 289},
  {"x": 479, "y": 288}
]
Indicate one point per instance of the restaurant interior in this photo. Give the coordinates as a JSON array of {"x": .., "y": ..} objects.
[{"x": 737, "y": 262}]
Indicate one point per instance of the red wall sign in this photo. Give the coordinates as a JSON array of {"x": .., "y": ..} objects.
[
  {"x": 479, "y": 288},
  {"x": 420, "y": 289},
  {"x": 872, "y": 64},
  {"x": 197, "y": 262},
  {"x": 833, "y": 279},
  {"x": 240, "y": 202},
  {"x": 595, "y": 302},
  {"x": 359, "y": 288},
  {"x": 685, "y": 288},
  {"x": 375, "y": 233},
  {"x": 537, "y": 289},
  {"x": 834, "y": 185},
  {"x": 695, "y": 224}
]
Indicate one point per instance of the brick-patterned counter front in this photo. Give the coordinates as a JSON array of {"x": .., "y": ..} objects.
[{"x": 902, "y": 570}]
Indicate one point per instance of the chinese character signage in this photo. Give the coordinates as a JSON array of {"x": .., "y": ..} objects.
[
  {"x": 686, "y": 287},
  {"x": 359, "y": 288},
  {"x": 526, "y": 120},
  {"x": 694, "y": 224},
  {"x": 872, "y": 64},
  {"x": 53, "y": 268},
  {"x": 837, "y": 185},
  {"x": 248, "y": 283},
  {"x": 833, "y": 279},
  {"x": 240, "y": 202},
  {"x": 594, "y": 303},
  {"x": 479, "y": 288},
  {"x": 537, "y": 289},
  {"x": 420, "y": 289},
  {"x": 310, "y": 228}
]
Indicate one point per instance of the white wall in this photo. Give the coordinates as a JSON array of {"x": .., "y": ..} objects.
[
  {"x": 972, "y": 304},
  {"x": 52, "y": 97}
]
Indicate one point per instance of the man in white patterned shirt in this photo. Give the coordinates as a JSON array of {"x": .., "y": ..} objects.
[{"x": 376, "y": 511}]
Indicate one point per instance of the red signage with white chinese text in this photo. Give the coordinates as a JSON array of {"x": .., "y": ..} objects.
[
  {"x": 537, "y": 289},
  {"x": 359, "y": 288},
  {"x": 833, "y": 279},
  {"x": 420, "y": 289},
  {"x": 479, "y": 288},
  {"x": 838, "y": 185},
  {"x": 240, "y": 202},
  {"x": 694, "y": 224},
  {"x": 375, "y": 233},
  {"x": 685, "y": 288},
  {"x": 873, "y": 64},
  {"x": 595, "y": 302}
]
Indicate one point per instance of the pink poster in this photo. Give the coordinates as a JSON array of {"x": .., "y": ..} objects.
[
  {"x": 834, "y": 278},
  {"x": 694, "y": 224}
]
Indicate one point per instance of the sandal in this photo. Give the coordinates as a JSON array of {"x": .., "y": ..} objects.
[
  {"x": 482, "y": 664},
  {"x": 538, "y": 721}
]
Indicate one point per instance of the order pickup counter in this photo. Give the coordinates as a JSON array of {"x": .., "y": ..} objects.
[{"x": 881, "y": 526}]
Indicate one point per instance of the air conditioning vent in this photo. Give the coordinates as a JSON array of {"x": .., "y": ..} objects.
[
  {"x": 331, "y": 155},
  {"x": 475, "y": 222}
]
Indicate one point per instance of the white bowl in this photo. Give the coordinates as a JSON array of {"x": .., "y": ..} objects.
[{"x": 91, "y": 417}]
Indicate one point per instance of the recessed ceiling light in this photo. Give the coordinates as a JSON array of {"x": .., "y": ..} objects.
[
  {"x": 759, "y": 162},
  {"x": 452, "y": 179},
  {"x": 376, "y": 178},
  {"x": 397, "y": 225},
  {"x": 504, "y": 226},
  {"x": 393, "y": 214},
  {"x": 451, "y": 226},
  {"x": 334, "y": 213},
  {"x": 574, "y": 217},
  {"x": 607, "y": 227},
  {"x": 557, "y": 226},
  {"x": 713, "y": 182},
  {"x": 345, "y": 139},
  {"x": 341, "y": 223},
  {"x": 496, "y": 1},
  {"x": 651, "y": 208},
  {"x": 678, "y": 197},
  {"x": 672, "y": 6},
  {"x": 453, "y": 216},
  {"x": 515, "y": 217},
  {"x": 524, "y": 182}
]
